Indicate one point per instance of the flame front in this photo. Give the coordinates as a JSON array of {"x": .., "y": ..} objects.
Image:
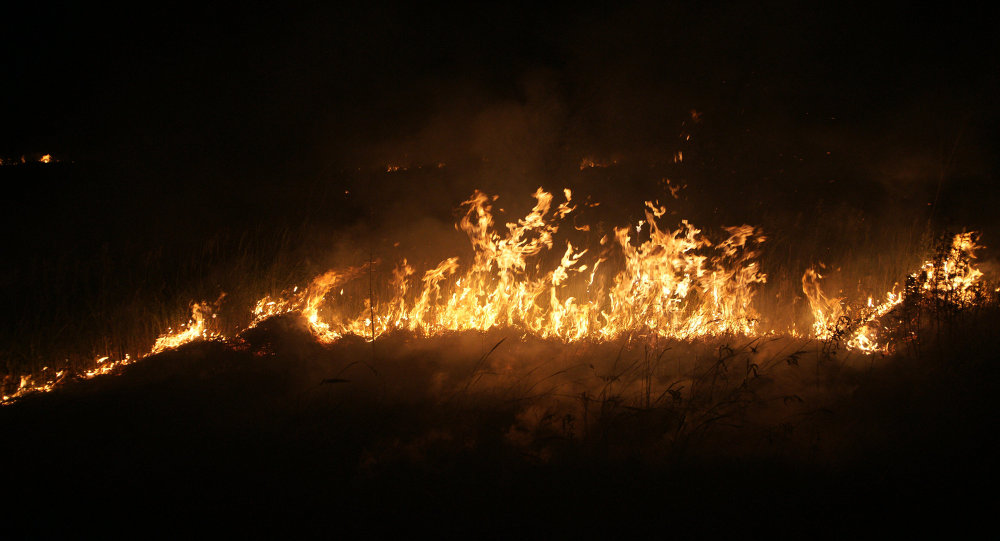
[
  {"x": 949, "y": 278},
  {"x": 196, "y": 328},
  {"x": 669, "y": 283},
  {"x": 640, "y": 281}
]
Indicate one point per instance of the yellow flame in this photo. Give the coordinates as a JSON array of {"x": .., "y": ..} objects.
[
  {"x": 645, "y": 279},
  {"x": 826, "y": 311},
  {"x": 671, "y": 283},
  {"x": 952, "y": 277},
  {"x": 196, "y": 328}
]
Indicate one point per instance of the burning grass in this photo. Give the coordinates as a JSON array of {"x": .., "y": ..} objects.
[
  {"x": 645, "y": 282},
  {"x": 473, "y": 431},
  {"x": 529, "y": 371}
]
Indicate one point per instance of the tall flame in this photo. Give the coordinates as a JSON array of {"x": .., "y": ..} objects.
[
  {"x": 670, "y": 283},
  {"x": 644, "y": 280}
]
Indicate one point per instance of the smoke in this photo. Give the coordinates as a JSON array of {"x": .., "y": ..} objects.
[{"x": 792, "y": 100}]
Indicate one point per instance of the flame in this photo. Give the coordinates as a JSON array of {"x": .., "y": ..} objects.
[
  {"x": 671, "y": 283},
  {"x": 195, "y": 329},
  {"x": 826, "y": 311},
  {"x": 24, "y": 159},
  {"x": 953, "y": 277},
  {"x": 591, "y": 163},
  {"x": 642, "y": 280},
  {"x": 950, "y": 277}
]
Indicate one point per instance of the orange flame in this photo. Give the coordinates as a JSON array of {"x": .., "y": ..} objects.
[
  {"x": 673, "y": 283},
  {"x": 642, "y": 280},
  {"x": 952, "y": 277}
]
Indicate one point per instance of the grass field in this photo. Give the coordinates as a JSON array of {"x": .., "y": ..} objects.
[{"x": 528, "y": 438}]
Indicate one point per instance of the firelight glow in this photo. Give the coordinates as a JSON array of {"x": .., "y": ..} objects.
[{"x": 639, "y": 281}]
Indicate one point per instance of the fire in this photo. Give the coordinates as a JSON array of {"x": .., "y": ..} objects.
[
  {"x": 826, "y": 311},
  {"x": 591, "y": 163},
  {"x": 532, "y": 276},
  {"x": 950, "y": 278},
  {"x": 196, "y": 328},
  {"x": 669, "y": 283},
  {"x": 25, "y": 159}
]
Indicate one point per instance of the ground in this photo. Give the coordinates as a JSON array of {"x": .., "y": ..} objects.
[{"x": 451, "y": 435}]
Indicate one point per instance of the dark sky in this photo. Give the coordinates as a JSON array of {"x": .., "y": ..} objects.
[{"x": 239, "y": 98}]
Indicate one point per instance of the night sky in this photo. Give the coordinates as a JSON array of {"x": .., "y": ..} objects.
[{"x": 224, "y": 103}]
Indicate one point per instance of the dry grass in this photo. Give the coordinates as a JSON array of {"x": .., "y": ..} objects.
[
  {"x": 490, "y": 433},
  {"x": 483, "y": 433}
]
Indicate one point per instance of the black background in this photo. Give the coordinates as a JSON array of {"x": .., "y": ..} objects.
[{"x": 237, "y": 99}]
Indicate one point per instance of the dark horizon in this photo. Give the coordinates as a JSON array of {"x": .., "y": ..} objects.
[{"x": 315, "y": 90}]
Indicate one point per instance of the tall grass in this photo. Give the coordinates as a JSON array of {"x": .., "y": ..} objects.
[{"x": 70, "y": 302}]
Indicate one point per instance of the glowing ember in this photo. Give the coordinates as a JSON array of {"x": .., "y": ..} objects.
[
  {"x": 591, "y": 163},
  {"x": 25, "y": 159}
]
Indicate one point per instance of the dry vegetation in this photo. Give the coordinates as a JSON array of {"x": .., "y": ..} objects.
[
  {"x": 502, "y": 435},
  {"x": 494, "y": 433}
]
